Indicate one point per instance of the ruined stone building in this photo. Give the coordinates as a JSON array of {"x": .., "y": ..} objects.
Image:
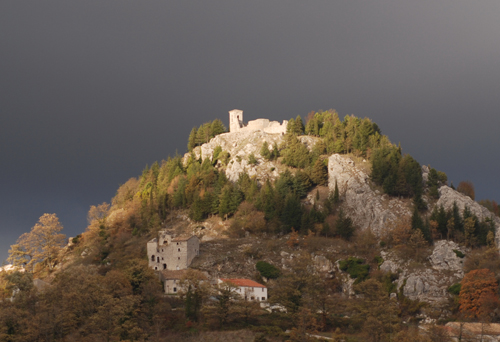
[
  {"x": 172, "y": 280},
  {"x": 172, "y": 253},
  {"x": 236, "y": 124}
]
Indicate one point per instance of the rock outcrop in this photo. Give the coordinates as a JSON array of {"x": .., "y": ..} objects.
[
  {"x": 367, "y": 208},
  {"x": 448, "y": 196},
  {"x": 240, "y": 145},
  {"x": 428, "y": 283}
]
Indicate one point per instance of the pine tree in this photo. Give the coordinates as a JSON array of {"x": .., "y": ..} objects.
[
  {"x": 192, "y": 139},
  {"x": 299, "y": 126},
  {"x": 319, "y": 173},
  {"x": 344, "y": 226},
  {"x": 290, "y": 128},
  {"x": 264, "y": 151}
]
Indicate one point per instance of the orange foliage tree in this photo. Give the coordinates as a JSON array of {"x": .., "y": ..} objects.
[
  {"x": 478, "y": 294},
  {"x": 467, "y": 188}
]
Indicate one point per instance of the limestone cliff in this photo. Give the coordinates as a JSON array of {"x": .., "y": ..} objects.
[
  {"x": 448, "y": 196},
  {"x": 368, "y": 208},
  {"x": 428, "y": 282}
]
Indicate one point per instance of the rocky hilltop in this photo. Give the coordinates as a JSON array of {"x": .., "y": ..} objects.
[
  {"x": 240, "y": 145},
  {"x": 361, "y": 199}
]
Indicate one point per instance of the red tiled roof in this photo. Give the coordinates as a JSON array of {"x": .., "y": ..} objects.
[{"x": 242, "y": 282}]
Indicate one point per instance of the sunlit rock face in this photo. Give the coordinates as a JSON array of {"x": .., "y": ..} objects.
[
  {"x": 366, "y": 207},
  {"x": 448, "y": 196}
]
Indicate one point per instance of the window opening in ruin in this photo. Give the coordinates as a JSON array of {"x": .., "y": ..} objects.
[
  {"x": 164, "y": 266},
  {"x": 175, "y": 289},
  {"x": 156, "y": 268},
  {"x": 152, "y": 258},
  {"x": 158, "y": 259},
  {"x": 178, "y": 249},
  {"x": 263, "y": 298}
]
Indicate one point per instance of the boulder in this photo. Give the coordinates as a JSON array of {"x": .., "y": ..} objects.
[{"x": 444, "y": 257}]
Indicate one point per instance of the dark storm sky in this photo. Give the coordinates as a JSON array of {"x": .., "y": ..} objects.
[{"x": 92, "y": 91}]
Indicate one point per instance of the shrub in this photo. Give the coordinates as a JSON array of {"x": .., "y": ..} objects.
[
  {"x": 459, "y": 254},
  {"x": 252, "y": 160},
  {"x": 267, "y": 270},
  {"x": 356, "y": 268},
  {"x": 455, "y": 289}
]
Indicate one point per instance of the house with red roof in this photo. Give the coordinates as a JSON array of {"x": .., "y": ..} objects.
[{"x": 248, "y": 289}]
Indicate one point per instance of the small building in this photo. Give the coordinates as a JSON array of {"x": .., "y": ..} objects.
[
  {"x": 172, "y": 279},
  {"x": 250, "y": 290},
  {"x": 172, "y": 253}
]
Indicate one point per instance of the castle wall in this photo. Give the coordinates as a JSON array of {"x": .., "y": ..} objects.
[
  {"x": 236, "y": 124},
  {"x": 172, "y": 255}
]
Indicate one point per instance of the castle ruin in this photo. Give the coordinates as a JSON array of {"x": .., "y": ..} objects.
[
  {"x": 236, "y": 124},
  {"x": 172, "y": 253}
]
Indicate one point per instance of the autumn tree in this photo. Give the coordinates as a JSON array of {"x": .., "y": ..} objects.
[
  {"x": 478, "y": 294},
  {"x": 467, "y": 188},
  {"x": 42, "y": 245},
  {"x": 194, "y": 291},
  {"x": 376, "y": 310}
]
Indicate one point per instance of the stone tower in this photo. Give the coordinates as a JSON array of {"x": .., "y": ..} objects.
[{"x": 235, "y": 120}]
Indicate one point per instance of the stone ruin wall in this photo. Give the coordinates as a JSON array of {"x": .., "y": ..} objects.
[{"x": 264, "y": 125}]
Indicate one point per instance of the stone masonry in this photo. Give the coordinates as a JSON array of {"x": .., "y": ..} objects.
[
  {"x": 236, "y": 124},
  {"x": 172, "y": 253}
]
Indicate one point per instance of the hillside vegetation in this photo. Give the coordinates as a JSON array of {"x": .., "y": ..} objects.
[{"x": 289, "y": 229}]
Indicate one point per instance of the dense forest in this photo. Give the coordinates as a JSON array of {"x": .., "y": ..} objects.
[{"x": 99, "y": 288}]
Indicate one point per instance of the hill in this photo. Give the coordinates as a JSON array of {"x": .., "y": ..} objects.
[{"x": 351, "y": 236}]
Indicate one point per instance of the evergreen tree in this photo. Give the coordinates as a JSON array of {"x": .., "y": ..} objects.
[
  {"x": 291, "y": 215},
  {"x": 290, "y": 128},
  {"x": 296, "y": 154},
  {"x": 344, "y": 226},
  {"x": 252, "y": 160},
  {"x": 336, "y": 196},
  {"x": 319, "y": 173},
  {"x": 192, "y": 139},
  {"x": 264, "y": 151},
  {"x": 432, "y": 183},
  {"x": 301, "y": 183},
  {"x": 276, "y": 151},
  {"x": 217, "y": 127},
  {"x": 299, "y": 126}
]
